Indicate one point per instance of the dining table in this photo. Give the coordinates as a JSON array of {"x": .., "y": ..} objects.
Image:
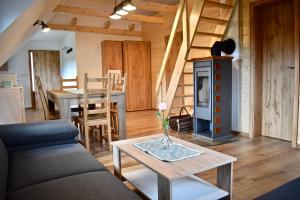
[{"x": 65, "y": 99}]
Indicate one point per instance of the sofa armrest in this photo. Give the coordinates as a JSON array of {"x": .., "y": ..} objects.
[{"x": 40, "y": 134}]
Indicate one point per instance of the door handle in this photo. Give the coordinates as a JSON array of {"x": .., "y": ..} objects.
[{"x": 291, "y": 67}]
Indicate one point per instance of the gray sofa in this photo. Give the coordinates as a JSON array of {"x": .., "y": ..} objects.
[{"x": 45, "y": 161}]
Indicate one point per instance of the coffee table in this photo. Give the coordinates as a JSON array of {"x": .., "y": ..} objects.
[{"x": 175, "y": 180}]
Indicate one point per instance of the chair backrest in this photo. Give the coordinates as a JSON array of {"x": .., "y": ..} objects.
[
  {"x": 100, "y": 94},
  {"x": 42, "y": 97},
  {"x": 114, "y": 76},
  {"x": 118, "y": 83},
  {"x": 67, "y": 84},
  {"x": 121, "y": 83}
]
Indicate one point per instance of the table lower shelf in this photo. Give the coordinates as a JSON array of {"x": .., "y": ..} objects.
[{"x": 191, "y": 187}]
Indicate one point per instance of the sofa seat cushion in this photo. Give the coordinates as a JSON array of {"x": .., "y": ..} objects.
[
  {"x": 90, "y": 186},
  {"x": 290, "y": 190},
  {"x": 43, "y": 164}
]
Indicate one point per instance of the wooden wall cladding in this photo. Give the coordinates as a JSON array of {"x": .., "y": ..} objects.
[
  {"x": 112, "y": 55},
  {"x": 137, "y": 65},
  {"x": 133, "y": 58}
]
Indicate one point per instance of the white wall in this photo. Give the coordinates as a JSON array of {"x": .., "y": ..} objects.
[
  {"x": 88, "y": 52},
  {"x": 19, "y": 64},
  {"x": 233, "y": 33},
  {"x": 10, "y": 10},
  {"x": 68, "y": 61}
]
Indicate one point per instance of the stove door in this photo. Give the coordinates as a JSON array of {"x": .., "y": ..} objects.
[{"x": 203, "y": 93}]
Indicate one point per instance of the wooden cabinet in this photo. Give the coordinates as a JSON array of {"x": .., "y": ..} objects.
[
  {"x": 112, "y": 55},
  {"x": 136, "y": 62},
  {"x": 12, "y": 105},
  {"x": 137, "y": 65}
]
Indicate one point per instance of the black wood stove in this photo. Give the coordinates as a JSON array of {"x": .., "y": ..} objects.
[{"x": 212, "y": 97}]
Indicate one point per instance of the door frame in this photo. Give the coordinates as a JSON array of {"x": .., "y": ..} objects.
[
  {"x": 256, "y": 70},
  {"x": 32, "y": 93}
]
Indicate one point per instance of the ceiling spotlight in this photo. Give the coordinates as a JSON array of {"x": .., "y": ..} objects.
[
  {"x": 122, "y": 12},
  {"x": 114, "y": 16},
  {"x": 128, "y": 5},
  {"x": 45, "y": 27}
]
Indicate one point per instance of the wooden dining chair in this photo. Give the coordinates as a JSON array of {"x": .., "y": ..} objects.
[
  {"x": 114, "y": 76},
  {"x": 48, "y": 115},
  {"x": 69, "y": 84},
  {"x": 119, "y": 86},
  {"x": 99, "y": 94}
]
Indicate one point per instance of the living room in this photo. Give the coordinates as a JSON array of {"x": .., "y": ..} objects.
[{"x": 149, "y": 99}]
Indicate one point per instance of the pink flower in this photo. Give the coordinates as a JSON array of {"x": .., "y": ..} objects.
[{"x": 162, "y": 106}]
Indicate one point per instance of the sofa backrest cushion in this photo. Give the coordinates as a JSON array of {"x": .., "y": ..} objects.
[
  {"x": 3, "y": 170},
  {"x": 19, "y": 137}
]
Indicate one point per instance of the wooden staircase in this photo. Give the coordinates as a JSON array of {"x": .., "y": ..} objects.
[{"x": 205, "y": 24}]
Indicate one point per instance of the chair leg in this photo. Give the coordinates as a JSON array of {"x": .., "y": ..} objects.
[
  {"x": 98, "y": 135},
  {"x": 102, "y": 132},
  {"x": 117, "y": 125},
  {"x": 109, "y": 136},
  {"x": 86, "y": 138}
]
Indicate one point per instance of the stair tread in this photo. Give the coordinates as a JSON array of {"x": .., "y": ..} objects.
[
  {"x": 209, "y": 34},
  {"x": 200, "y": 47},
  {"x": 183, "y": 85},
  {"x": 219, "y": 4},
  {"x": 214, "y": 20},
  {"x": 185, "y": 95}
]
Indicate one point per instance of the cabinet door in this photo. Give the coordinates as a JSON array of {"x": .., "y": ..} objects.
[
  {"x": 137, "y": 65},
  {"x": 111, "y": 56}
]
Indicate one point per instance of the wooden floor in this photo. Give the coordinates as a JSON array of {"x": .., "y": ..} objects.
[{"x": 263, "y": 163}]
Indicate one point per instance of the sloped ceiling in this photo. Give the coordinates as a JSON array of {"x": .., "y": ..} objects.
[
  {"x": 10, "y": 10},
  {"x": 21, "y": 29}
]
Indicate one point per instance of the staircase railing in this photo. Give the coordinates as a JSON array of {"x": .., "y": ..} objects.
[
  {"x": 180, "y": 11},
  {"x": 189, "y": 27}
]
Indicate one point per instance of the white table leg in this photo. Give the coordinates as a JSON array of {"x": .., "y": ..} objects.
[
  {"x": 225, "y": 177},
  {"x": 164, "y": 188},
  {"x": 65, "y": 108},
  {"x": 121, "y": 107},
  {"x": 117, "y": 162}
]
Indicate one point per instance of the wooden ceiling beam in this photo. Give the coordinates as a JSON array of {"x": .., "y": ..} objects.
[
  {"x": 143, "y": 5},
  {"x": 91, "y": 29},
  {"x": 106, "y": 14}
]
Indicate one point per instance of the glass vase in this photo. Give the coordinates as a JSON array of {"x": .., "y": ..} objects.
[{"x": 166, "y": 140}]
